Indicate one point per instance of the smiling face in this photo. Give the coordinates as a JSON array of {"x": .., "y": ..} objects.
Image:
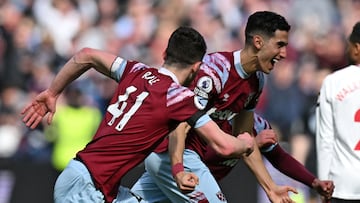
[{"x": 271, "y": 50}]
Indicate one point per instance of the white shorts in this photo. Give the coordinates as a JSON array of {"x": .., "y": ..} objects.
[{"x": 158, "y": 185}]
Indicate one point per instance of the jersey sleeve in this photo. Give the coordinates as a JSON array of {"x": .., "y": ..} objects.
[
  {"x": 121, "y": 67},
  {"x": 182, "y": 104},
  {"x": 324, "y": 130},
  {"x": 206, "y": 85},
  {"x": 289, "y": 166}
]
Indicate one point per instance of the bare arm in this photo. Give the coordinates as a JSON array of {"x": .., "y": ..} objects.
[
  {"x": 81, "y": 62},
  {"x": 244, "y": 122},
  {"x": 224, "y": 144},
  {"x": 177, "y": 143},
  {"x": 184, "y": 180},
  {"x": 45, "y": 103}
]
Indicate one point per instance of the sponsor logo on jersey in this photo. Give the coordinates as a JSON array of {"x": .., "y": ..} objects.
[
  {"x": 221, "y": 115},
  {"x": 229, "y": 162}
]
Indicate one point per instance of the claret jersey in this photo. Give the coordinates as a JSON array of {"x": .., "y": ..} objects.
[
  {"x": 147, "y": 104},
  {"x": 225, "y": 89}
]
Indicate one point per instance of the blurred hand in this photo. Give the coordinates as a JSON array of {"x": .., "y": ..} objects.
[
  {"x": 248, "y": 141},
  {"x": 266, "y": 137},
  {"x": 324, "y": 187},
  {"x": 186, "y": 181},
  {"x": 280, "y": 194},
  {"x": 43, "y": 104}
]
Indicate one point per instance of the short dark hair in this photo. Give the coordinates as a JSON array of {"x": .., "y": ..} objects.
[
  {"x": 265, "y": 23},
  {"x": 355, "y": 34},
  {"x": 186, "y": 46}
]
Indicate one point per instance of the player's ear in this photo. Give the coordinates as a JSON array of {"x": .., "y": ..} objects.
[
  {"x": 357, "y": 47},
  {"x": 196, "y": 66},
  {"x": 258, "y": 41}
]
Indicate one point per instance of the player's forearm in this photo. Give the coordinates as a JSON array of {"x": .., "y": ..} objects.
[
  {"x": 257, "y": 167},
  {"x": 81, "y": 62},
  {"x": 177, "y": 144},
  {"x": 224, "y": 144}
]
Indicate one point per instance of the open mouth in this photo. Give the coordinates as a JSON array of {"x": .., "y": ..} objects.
[{"x": 274, "y": 60}]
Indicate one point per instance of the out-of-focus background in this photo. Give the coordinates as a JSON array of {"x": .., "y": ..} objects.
[{"x": 38, "y": 36}]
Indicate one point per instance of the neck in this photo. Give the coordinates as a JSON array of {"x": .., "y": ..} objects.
[
  {"x": 180, "y": 73},
  {"x": 249, "y": 60}
]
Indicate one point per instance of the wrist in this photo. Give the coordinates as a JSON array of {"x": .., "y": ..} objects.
[
  {"x": 177, "y": 168},
  {"x": 315, "y": 183}
]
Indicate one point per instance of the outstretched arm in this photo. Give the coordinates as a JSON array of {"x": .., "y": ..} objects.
[
  {"x": 289, "y": 166},
  {"x": 45, "y": 102},
  {"x": 244, "y": 122}
]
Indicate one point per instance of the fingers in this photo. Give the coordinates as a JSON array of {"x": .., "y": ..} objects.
[
  {"x": 36, "y": 122},
  {"x": 196, "y": 179},
  {"x": 187, "y": 182},
  {"x": 26, "y": 109},
  {"x": 33, "y": 115},
  {"x": 291, "y": 189},
  {"x": 50, "y": 117}
]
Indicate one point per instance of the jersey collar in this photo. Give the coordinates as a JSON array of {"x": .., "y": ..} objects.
[
  {"x": 165, "y": 71},
  {"x": 239, "y": 69}
]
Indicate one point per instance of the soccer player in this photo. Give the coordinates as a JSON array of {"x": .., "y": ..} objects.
[
  {"x": 267, "y": 142},
  {"x": 229, "y": 84},
  {"x": 338, "y": 126},
  {"x": 147, "y": 104}
]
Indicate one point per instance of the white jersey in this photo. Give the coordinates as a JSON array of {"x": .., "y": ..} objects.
[{"x": 338, "y": 132}]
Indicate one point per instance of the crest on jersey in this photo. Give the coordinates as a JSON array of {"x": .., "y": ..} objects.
[
  {"x": 221, "y": 196},
  {"x": 205, "y": 84}
]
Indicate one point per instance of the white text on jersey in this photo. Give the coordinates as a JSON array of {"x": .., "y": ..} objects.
[{"x": 152, "y": 79}]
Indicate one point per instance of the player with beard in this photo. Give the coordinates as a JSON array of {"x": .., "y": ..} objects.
[
  {"x": 229, "y": 85},
  {"x": 147, "y": 104}
]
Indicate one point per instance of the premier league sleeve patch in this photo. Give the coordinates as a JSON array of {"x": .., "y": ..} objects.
[
  {"x": 200, "y": 102},
  {"x": 205, "y": 84},
  {"x": 202, "y": 90}
]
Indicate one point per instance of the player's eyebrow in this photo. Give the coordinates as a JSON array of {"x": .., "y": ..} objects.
[{"x": 282, "y": 44}]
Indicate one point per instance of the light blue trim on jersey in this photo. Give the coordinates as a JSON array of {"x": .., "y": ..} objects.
[
  {"x": 268, "y": 149},
  {"x": 224, "y": 75},
  {"x": 261, "y": 77},
  {"x": 238, "y": 67},
  {"x": 165, "y": 71},
  {"x": 202, "y": 121},
  {"x": 118, "y": 68}
]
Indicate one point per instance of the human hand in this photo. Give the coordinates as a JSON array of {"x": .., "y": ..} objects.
[
  {"x": 186, "y": 181},
  {"x": 280, "y": 194},
  {"x": 324, "y": 187},
  {"x": 43, "y": 104},
  {"x": 266, "y": 137},
  {"x": 248, "y": 141}
]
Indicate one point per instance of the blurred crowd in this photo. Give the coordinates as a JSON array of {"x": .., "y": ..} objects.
[{"x": 38, "y": 36}]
